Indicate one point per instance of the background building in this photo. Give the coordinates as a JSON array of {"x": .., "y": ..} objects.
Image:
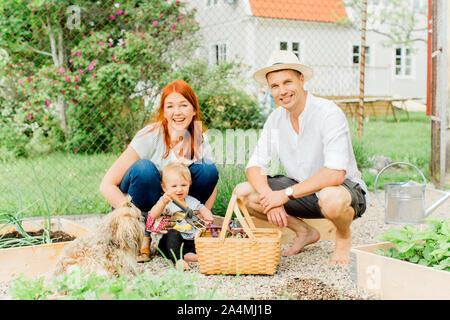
[{"x": 250, "y": 30}]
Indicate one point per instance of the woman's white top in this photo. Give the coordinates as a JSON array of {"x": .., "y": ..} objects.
[{"x": 150, "y": 145}]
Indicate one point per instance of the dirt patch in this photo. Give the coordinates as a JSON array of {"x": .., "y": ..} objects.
[
  {"x": 311, "y": 289},
  {"x": 55, "y": 236}
]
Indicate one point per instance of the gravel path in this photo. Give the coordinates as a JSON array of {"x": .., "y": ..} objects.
[{"x": 307, "y": 275}]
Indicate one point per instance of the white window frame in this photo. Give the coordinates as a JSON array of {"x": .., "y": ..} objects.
[
  {"x": 211, "y": 3},
  {"x": 418, "y": 3},
  {"x": 403, "y": 59},
  {"x": 301, "y": 51},
  {"x": 217, "y": 57},
  {"x": 369, "y": 57}
]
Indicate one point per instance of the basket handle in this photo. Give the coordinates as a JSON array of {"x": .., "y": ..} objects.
[
  {"x": 232, "y": 207},
  {"x": 227, "y": 218},
  {"x": 243, "y": 222},
  {"x": 244, "y": 210}
]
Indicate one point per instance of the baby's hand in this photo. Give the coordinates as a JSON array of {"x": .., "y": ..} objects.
[
  {"x": 206, "y": 215},
  {"x": 166, "y": 198}
]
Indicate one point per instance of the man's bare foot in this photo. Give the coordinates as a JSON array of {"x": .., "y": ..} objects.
[
  {"x": 341, "y": 253},
  {"x": 190, "y": 257},
  {"x": 301, "y": 240}
]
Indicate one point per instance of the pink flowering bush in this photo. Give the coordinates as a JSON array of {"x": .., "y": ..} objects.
[{"x": 89, "y": 96}]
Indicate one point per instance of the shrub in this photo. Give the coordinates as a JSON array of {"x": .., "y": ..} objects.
[
  {"x": 76, "y": 89},
  {"x": 220, "y": 91},
  {"x": 361, "y": 153}
]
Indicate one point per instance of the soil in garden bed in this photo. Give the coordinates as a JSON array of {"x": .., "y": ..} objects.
[{"x": 55, "y": 236}]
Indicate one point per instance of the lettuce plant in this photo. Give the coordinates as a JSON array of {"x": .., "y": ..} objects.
[
  {"x": 428, "y": 247},
  {"x": 174, "y": 284}
]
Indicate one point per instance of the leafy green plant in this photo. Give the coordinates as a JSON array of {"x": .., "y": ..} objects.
[
  {"x": 428, "y": 247},
  {"x": 174, "y": 284},
  {"x": 361, "y": 153},
  {"x": 8, "y": 220},
  {"x": 229, "y": 177},
  {"x": 21, "y": 288},
  {"x": 81, "y": 88},
  {"x": 220, "y": 91}
]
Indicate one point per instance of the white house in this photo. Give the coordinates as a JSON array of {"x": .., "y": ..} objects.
[{"x": 251, "y": 30}]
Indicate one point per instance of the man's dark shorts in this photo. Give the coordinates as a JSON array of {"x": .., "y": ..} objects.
[{"x": 308, "y": 207}]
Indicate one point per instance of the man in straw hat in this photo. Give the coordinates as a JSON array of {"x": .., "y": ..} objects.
[{"x": 311, "y": 137}]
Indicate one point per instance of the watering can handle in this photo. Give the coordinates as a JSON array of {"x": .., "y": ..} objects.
[{"x": 390, "y": 165}]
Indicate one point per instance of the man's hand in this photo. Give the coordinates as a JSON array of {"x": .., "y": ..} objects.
[
  {"x": 277, "y": 216},
  {"x": 272, "y": 199}
]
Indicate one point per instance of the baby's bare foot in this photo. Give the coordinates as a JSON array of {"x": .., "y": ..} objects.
[{"x": 190, "y": 257}]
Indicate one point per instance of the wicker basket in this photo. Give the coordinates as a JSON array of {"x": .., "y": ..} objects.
[{"x": 257, "y": 254}]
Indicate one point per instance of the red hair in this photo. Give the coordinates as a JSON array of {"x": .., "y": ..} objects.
[{"x": 196, "y": 138}]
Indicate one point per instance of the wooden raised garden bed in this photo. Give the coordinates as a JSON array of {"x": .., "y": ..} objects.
[
  {"x": 34, "y": 261},
  {"x": 389, "y": 278}
]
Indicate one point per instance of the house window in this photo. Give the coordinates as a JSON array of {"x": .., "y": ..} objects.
[
  {"x": 220, "y": 53},
  {"x": 403, "y": 61},
  {"x": 356, "y": 53},
  {"x": 212, "y": 2},
  {"x": 292, "y": 46},
  {"x": 296, "y": 49},
  {"x": 418, "y": 4}
]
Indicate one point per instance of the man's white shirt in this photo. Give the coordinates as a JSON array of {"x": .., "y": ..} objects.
[{"x": 323, "y": 141}]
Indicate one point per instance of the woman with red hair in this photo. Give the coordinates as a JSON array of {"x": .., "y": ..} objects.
[{"x": 177, "y": 134}]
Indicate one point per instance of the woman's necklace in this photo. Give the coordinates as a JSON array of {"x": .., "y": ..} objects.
[{"x": 177, "y": 147}]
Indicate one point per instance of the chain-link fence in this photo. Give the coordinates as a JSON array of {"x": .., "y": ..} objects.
[{"x": 79, "y": 78}]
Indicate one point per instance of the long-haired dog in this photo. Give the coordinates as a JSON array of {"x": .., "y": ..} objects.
[{"x": 110, "y": 248}]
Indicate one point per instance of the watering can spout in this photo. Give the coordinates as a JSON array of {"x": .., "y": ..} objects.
[{"x": 438, "y": 202}]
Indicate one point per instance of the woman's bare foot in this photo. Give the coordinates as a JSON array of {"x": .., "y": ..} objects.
[
  {"x": 341, "y": 253},
  {"x": 301, "y": 240},
  {"x": 190, "y": 257}
]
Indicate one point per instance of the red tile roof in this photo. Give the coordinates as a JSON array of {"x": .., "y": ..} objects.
[{"x": 307, "y": 10}]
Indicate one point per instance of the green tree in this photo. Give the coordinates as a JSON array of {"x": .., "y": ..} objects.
[
  {"x": 79, "y": 65},
  {"x": 400, "y": 21}
]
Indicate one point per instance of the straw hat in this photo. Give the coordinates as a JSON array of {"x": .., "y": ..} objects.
[{"x": 280, "y": 60}]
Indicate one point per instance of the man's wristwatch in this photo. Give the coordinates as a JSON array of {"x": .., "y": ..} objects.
[{"x": 289, "y": 192}]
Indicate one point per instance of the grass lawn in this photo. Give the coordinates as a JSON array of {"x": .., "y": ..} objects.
[
  {"x": 405, "y": 141},
  {"x": 69, "y": 183}
]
